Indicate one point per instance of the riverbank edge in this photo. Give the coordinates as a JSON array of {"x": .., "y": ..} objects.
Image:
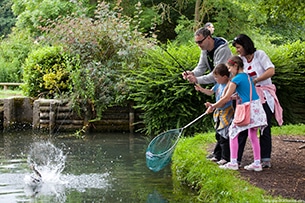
[{"x": 210, "y": 183}]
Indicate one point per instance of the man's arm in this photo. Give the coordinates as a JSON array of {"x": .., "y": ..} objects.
[
  {"x": 200, "y": 70},
  {"x": 222, "y": 54}
]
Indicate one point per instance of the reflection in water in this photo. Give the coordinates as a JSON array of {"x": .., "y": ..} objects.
[
  {"x": 155, "y": 197},
  {"x": 101, "y": 168}
]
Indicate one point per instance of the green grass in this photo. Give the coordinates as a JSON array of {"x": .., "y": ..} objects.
[
  {"x": 211, "y": 183},
  {"x": 9, "y": 93},
  {"x": 289, "y": 130}
]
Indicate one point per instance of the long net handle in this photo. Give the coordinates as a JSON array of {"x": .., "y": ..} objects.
[{"x": 196, "y": 119}]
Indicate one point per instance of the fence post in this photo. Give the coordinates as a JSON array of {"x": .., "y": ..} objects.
[{"x": 52, "y": 116}]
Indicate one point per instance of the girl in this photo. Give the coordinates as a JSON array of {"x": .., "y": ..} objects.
[{"x": 241, "y": 85}]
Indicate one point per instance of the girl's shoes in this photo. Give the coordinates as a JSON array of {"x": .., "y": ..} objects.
[
  {"x": 230, "y": 166},
  {"x": 253, "y": 167}
]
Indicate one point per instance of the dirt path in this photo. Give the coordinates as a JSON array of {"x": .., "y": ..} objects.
[{"x": 286, "y": 177}]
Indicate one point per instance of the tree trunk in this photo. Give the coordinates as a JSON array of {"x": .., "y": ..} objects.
[{"x": 197, "y": 14}]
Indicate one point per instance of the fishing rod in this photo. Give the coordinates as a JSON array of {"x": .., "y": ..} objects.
[
  {"x": 177, "y": 63},
  {"x": 175, "y": 60}
]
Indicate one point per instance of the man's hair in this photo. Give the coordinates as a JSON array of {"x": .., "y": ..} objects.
[
  {"x": 222, "y": 70},
  {"x": 203, "y": 31},
  {"x": 246, "y": 42}
]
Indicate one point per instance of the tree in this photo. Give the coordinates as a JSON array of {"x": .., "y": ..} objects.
[
  {"x": 34, "y": 14},
  {"x": 7, "y": 18},
  {"x": 293, "y": 9}
]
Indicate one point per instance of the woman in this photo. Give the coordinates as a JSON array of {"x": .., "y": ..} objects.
[
  {"x": 210, "y": 27},
  {"x": 240, "y": 83},
  {"x": 260, "y": 68}
]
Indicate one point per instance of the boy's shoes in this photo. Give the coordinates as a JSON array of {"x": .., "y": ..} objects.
[
  {"x": 230, "y": 166},
  {"x": 253, "y": 167},
  {"x": 266, "y": 164},
  {"x": 214, "y": 159},
  {"x": 222, "y": 162},
  {"x": 209, "y": 156}
]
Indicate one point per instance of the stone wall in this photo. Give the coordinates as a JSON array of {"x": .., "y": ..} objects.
[{"x": 57, "y": 116}]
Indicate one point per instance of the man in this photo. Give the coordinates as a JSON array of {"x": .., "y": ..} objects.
[{"x": 214, "y": 50}]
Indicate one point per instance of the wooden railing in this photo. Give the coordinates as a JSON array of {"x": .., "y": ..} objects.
[{"x": 6, "y": 84}]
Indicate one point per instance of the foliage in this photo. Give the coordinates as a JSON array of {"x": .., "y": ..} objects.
[
  {"x": 232, "y": 17},
  {"x": 211, "y": 183},
  {"x": 7, "y": 19},
  {"x": 291, "y": 9},
  {"x": 289, "y": 60},
  {"x": 33, "y": 14},
  {"x": 108, "y": 46},
  {"x": 158, "y": 89},
  {"x": 13, "y": 51},
  {"x": 46, "y": 72},
  {"x": 184, "y": 31}
]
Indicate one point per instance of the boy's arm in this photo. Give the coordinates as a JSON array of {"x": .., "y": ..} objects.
[{"x": 204, "y": 90}]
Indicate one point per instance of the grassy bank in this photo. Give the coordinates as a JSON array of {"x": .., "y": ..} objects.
[
  {"x": 9, "y": 93},
  {"x": 212, "y": 184}
]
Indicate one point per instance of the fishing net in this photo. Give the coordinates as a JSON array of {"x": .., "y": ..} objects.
[{"x": 161, "y": 148}]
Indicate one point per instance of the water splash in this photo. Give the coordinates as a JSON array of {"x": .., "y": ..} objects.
[{"x": 49, "y": 162}]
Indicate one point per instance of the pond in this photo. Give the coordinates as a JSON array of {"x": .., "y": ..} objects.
[{"x": 101, "y": 168}]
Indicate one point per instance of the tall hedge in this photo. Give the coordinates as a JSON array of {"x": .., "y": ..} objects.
[
  {"x": 289, "y": 60},
  {"x": 169, "y": 102},
  {"x": 166, "y": 99}
]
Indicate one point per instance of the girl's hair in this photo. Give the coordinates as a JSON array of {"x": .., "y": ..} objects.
[
  {"x": 222, "y": 70},
  {"x": 236, "y": 60},
  {"x": 245, "y": 42}
]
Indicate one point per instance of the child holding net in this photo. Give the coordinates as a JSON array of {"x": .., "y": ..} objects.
[{"x": 223, "y": 116}]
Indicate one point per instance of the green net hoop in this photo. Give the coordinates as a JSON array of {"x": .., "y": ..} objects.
[{"x": 161, "y": 148}]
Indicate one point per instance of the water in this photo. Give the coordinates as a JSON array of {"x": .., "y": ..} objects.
[{"x": 101, "y": 168}]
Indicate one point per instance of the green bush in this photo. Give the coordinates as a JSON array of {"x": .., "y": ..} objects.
[
  {"x": 289, "y": 60},
  {"x": 46, "y": 72},
  {"x": 108, "y": 47},
  {"x": 13, "y": 51},
  {"x": 167, "y": 100}
]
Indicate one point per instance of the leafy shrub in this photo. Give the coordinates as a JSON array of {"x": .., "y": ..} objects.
[
  {"x": 13, "y": 51},
  {"x": 33, "y": 14},
  {"x": 289, "y": 60},
  {"x": 108, "y": 46},
  {"x": 167, "y": 100},
  {"x": 46, "y": 72}
]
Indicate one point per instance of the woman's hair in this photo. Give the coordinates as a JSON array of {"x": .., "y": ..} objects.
[
  {"x": 208, "y": 24},
  {"x": 245, "y": 42},
  {"x": 222, "y": 70},
  {"x": 236, "y": 60}
]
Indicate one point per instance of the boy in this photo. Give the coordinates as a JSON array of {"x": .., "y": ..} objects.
[{"x": 222, "y": 116}]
